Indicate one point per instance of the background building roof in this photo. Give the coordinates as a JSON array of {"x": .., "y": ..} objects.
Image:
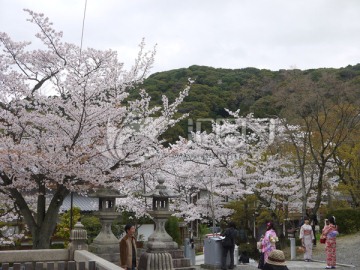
[{"x": 83, "y": 202}]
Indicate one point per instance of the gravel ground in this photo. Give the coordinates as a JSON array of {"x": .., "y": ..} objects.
[{"x": 347, "y": 251}]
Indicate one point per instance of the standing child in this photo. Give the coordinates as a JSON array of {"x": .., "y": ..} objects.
[{"x": 307, "y": 237}]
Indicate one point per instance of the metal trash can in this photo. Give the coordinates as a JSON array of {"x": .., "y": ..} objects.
[
  {"x": 189, "y": 250},
  {"x": 213, "y": 252}
]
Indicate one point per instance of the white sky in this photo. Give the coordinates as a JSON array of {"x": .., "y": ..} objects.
[{"x": 270, "y": 34}]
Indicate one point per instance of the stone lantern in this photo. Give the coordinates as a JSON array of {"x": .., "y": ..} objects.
[
  {"x": 160, "y": 248},
  {"x": 106, "y": 245},
  {"x": 160, "y": 240}
]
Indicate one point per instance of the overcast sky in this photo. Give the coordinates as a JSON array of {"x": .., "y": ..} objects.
[{"x": 270, "y": 34}]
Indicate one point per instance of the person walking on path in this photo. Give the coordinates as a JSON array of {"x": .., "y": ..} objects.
[
  {"x": 268, "y": 242},
  {"x": 128, "y": 248},
  {"x": 329, "y": 233},
  {"x": 307, "y": 236},
  {"x": 228, "y": 244},
  {"x": 276, "y": 261}
]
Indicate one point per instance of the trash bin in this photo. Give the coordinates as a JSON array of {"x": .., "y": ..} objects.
[
  {"x": 189, "y": 250},
  {"x": 213, "y": 252}
]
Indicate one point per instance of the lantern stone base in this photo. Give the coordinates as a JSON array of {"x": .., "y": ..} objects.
[
  {"x": 109, "y": 252},
  {"x": 155, "y": 261},
  {"x": 179, "y": 261}
]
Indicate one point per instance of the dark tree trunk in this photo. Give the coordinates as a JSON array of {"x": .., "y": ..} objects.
[{"x": 43, "y": 223}]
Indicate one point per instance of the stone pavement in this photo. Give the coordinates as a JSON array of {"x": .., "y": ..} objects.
[{"x": 301, "y": 265}]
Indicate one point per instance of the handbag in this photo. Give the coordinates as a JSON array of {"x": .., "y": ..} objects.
[
  {"x": 259, "y": 245},
  {"x": 322, "y": 240},
  {"x": 301, "y": 249},
  {"x": 227, "y": 242}
]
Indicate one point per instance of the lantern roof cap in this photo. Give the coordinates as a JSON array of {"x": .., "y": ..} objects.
[
  {"x": 161, "y": 191},
  {"x": 106, "y": 193}
]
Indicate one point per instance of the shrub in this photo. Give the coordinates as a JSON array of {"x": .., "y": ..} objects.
[
  {"x": 172, "y": 228},
  {"x": 117, "y": 228},
  {"x": 250, "y": 249},
  {"x": 58, "y": 246},
  {"x": 203, "y": 230},
  {"x": 348, "y": 220},
  {"x": 92, "y": 225},
  {"x": 63, "y": 227}
]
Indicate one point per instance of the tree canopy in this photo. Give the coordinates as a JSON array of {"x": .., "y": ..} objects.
[{"x": 65, "y": 125}]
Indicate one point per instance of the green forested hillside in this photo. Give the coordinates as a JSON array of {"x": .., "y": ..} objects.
[{"x": 263, "y": 92}]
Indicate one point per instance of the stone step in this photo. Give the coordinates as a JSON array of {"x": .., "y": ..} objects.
[
  {"x": 182, "y": 262},
  {"x": 186, "y": 268},
  {"x": 177, "y": 253}
]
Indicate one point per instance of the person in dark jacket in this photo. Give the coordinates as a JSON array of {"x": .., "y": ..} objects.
[
  {"x": 275, "y": 261},
  {"x": 229, "y": 237}
]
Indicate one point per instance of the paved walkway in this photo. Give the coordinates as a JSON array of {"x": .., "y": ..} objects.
[
  {"x": 290, "y": 264},
  {"x": 347, "y": 254}
]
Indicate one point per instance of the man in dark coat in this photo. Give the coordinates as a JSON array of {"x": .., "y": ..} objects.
[{"x": 229, "y": 235}]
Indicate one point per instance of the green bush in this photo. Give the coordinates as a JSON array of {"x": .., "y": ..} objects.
[
  {"x": 117, "y": 228},
  {"x": 172, "y": 228},
  {"x": 348, "y": 220},
  {"x": 250, "y": 249},
  {"x": 63, "y": 227},
  {"x": 58, "y": 246},
  {"x": 92, "y": 225},
  {"x": 203, "y": 230}
]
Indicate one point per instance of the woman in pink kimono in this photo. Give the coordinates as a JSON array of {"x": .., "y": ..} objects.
[
  {"x": 330, "y": 232},
  {"x": 307, "y": 237},
  {"x": 269, "y": 240}
]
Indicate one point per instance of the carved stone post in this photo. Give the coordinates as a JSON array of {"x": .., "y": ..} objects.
[{"x": 78, "y": 237}]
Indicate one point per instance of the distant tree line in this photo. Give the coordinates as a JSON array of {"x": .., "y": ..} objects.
[{"x": 262, "y": 92}]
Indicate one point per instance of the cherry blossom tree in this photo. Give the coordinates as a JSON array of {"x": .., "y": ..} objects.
[
  {"x": 65, "y": 124},
  {"x": 242, "y": 156},
  {"x": 220, "y": 165}
]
